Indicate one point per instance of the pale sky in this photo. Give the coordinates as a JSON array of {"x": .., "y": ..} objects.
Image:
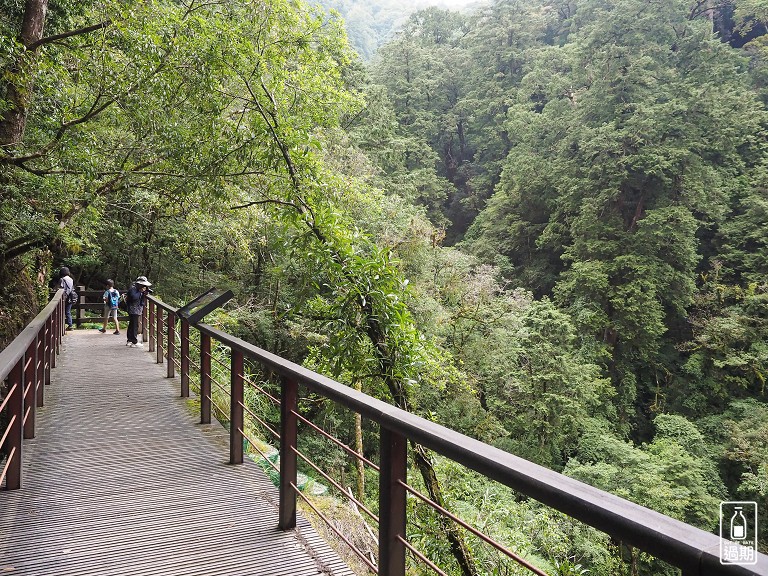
[{"x": 451, "y": 4}]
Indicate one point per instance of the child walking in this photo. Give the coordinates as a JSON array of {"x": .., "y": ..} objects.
[{"x": 111, "y": 300}]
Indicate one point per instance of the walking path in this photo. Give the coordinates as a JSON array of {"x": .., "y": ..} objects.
[{"x": 122, "y": 480}]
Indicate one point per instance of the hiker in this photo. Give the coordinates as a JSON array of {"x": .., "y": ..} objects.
[
  {"x": 136, "y": 298},
  {"x": 70, "y": 296},
  {"x": 111, "y": 299}
]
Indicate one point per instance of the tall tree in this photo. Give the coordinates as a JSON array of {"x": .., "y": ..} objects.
[
  {"x": 451, "y": 78},
  {"x": 621, "y": 165}
]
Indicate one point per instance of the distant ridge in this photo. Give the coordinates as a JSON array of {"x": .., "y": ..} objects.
[{"x": 372, "y": 24}]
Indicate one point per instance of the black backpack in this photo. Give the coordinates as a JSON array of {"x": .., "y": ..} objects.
[{"x": 73, "y": 296}]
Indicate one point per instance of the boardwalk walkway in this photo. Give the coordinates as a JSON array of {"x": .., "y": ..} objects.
[{"x": 121, "y": 480}]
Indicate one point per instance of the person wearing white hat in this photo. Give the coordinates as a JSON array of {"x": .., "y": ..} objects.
[{"x": 136, "y": 298}]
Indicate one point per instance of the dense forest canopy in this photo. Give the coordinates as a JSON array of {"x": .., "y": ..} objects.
[{"x": 540, "y": 222}]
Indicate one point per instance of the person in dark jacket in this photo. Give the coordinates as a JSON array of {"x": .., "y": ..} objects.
[
  {"x": 66, "y": 282},
  {"x": 136, "y": 297}
]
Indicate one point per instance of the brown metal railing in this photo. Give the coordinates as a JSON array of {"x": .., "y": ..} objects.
[
  {"x": 25, "y": 370},
  {"x": 694, "y": 551},
  {"x": 90, "y": 307}
]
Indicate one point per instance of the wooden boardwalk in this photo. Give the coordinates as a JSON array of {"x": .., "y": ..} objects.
[{"x": 122, "y": 480}]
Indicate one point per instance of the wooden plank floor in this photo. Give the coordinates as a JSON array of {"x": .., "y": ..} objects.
[{"x": 121, "y": 479}]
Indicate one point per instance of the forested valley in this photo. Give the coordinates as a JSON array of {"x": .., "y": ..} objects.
[{"x": 542, "y": 223}]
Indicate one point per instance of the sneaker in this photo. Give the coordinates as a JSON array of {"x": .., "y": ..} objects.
[
  {"x": 116, "y": 332},
  {"x": 102, "y": 330},
  {"x": 129, "y": 343},
  {"x": 139, "y": 345}
]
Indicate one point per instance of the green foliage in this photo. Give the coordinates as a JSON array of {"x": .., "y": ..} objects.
[
  {"x": 370, "y": 25},
  {"x": 617, "y": 276},
  {"x": 738, "y": 438},
  {"x": 153, "y": 119},
  {"x": 742, "y": 238},
  {"x": 448, "y": 76},
  {"x": 727, "y": 357},
  {"x": 610, "y": 182},
  {"x": 549, "y": 540},
  {"x": 673, "y": 474},
  {"x": 748, "y": 13},
  {"x": 535, "y": 382}
]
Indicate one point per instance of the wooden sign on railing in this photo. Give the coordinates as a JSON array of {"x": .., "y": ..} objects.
[{"x": 194, "y": 311}]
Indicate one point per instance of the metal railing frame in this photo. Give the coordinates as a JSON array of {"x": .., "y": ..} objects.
[
  {"x": 25, "y": 367},
  {"x": 694, "y": 551},
  {"x": 90, "y": 301}
]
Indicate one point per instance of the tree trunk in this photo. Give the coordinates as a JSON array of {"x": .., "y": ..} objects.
[
  {"x": 360, "y": 483},
  {"x": 400, "y": 398},
  {"x": 384, "y": 355},
  {"x": 19, "y": 77},
  {"x": 459, "y": 548}
]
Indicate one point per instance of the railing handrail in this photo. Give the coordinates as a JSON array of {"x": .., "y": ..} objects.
[
  {"x": 692, "y": 549},
  {"x": 163, "y": 305},
  {"x": 15, "y": 350},
  {"x": 25, "y": 368}
]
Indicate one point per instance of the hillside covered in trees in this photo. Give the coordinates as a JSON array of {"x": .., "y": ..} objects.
[
  {"x": 369, "y": 25},
  {"x": 540, "y": 222}
]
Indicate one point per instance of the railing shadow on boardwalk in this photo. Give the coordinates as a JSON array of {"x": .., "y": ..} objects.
[{"x": 169, "y": 338}]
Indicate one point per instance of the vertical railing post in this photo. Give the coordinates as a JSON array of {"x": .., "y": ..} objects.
[
  {"x": 236, "y": 409},
  {"x": 392, "y": 515},
  {"x": 57, "y": 330},
  {"x": 171, "y": 347},
  {"x": 29, "y": 390},
  {"x": 62, "y": 323},
  {"x": 289, "y": 405},
  {"x": 55, "y": 335},
  {"x": 159, "y": 334},
  {"x": 184, "y": 358},
  {"x": 40, "y": 366},
  {"x": 50, "y": 354},
  {"x": 151, "y": 329},
  {"x": 80, "y": 306},
  {"x": 205, "y": 378},
  {"x": 144, "y": 328},
  {"x": 63, "y": 317},
  {"x": 15, "y": 426}
]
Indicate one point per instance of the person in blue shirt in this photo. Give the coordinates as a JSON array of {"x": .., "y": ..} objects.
[
  {"x": 136, "y": 298},
  {"x": 111, "y": 299}
]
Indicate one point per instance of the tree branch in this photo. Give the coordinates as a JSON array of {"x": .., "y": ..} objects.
[
  {"x": 52, "y": 172},
  {"x": 100, "y": 191},
  {"x": 78, "y": 32},
  {"x": 94, "y": 111},
  {"x": 21, "y": 160},
  {"x": 262, "y": 202},
  {"x": 21, "y": 240},
  {"x": 22, "y": 246}
]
